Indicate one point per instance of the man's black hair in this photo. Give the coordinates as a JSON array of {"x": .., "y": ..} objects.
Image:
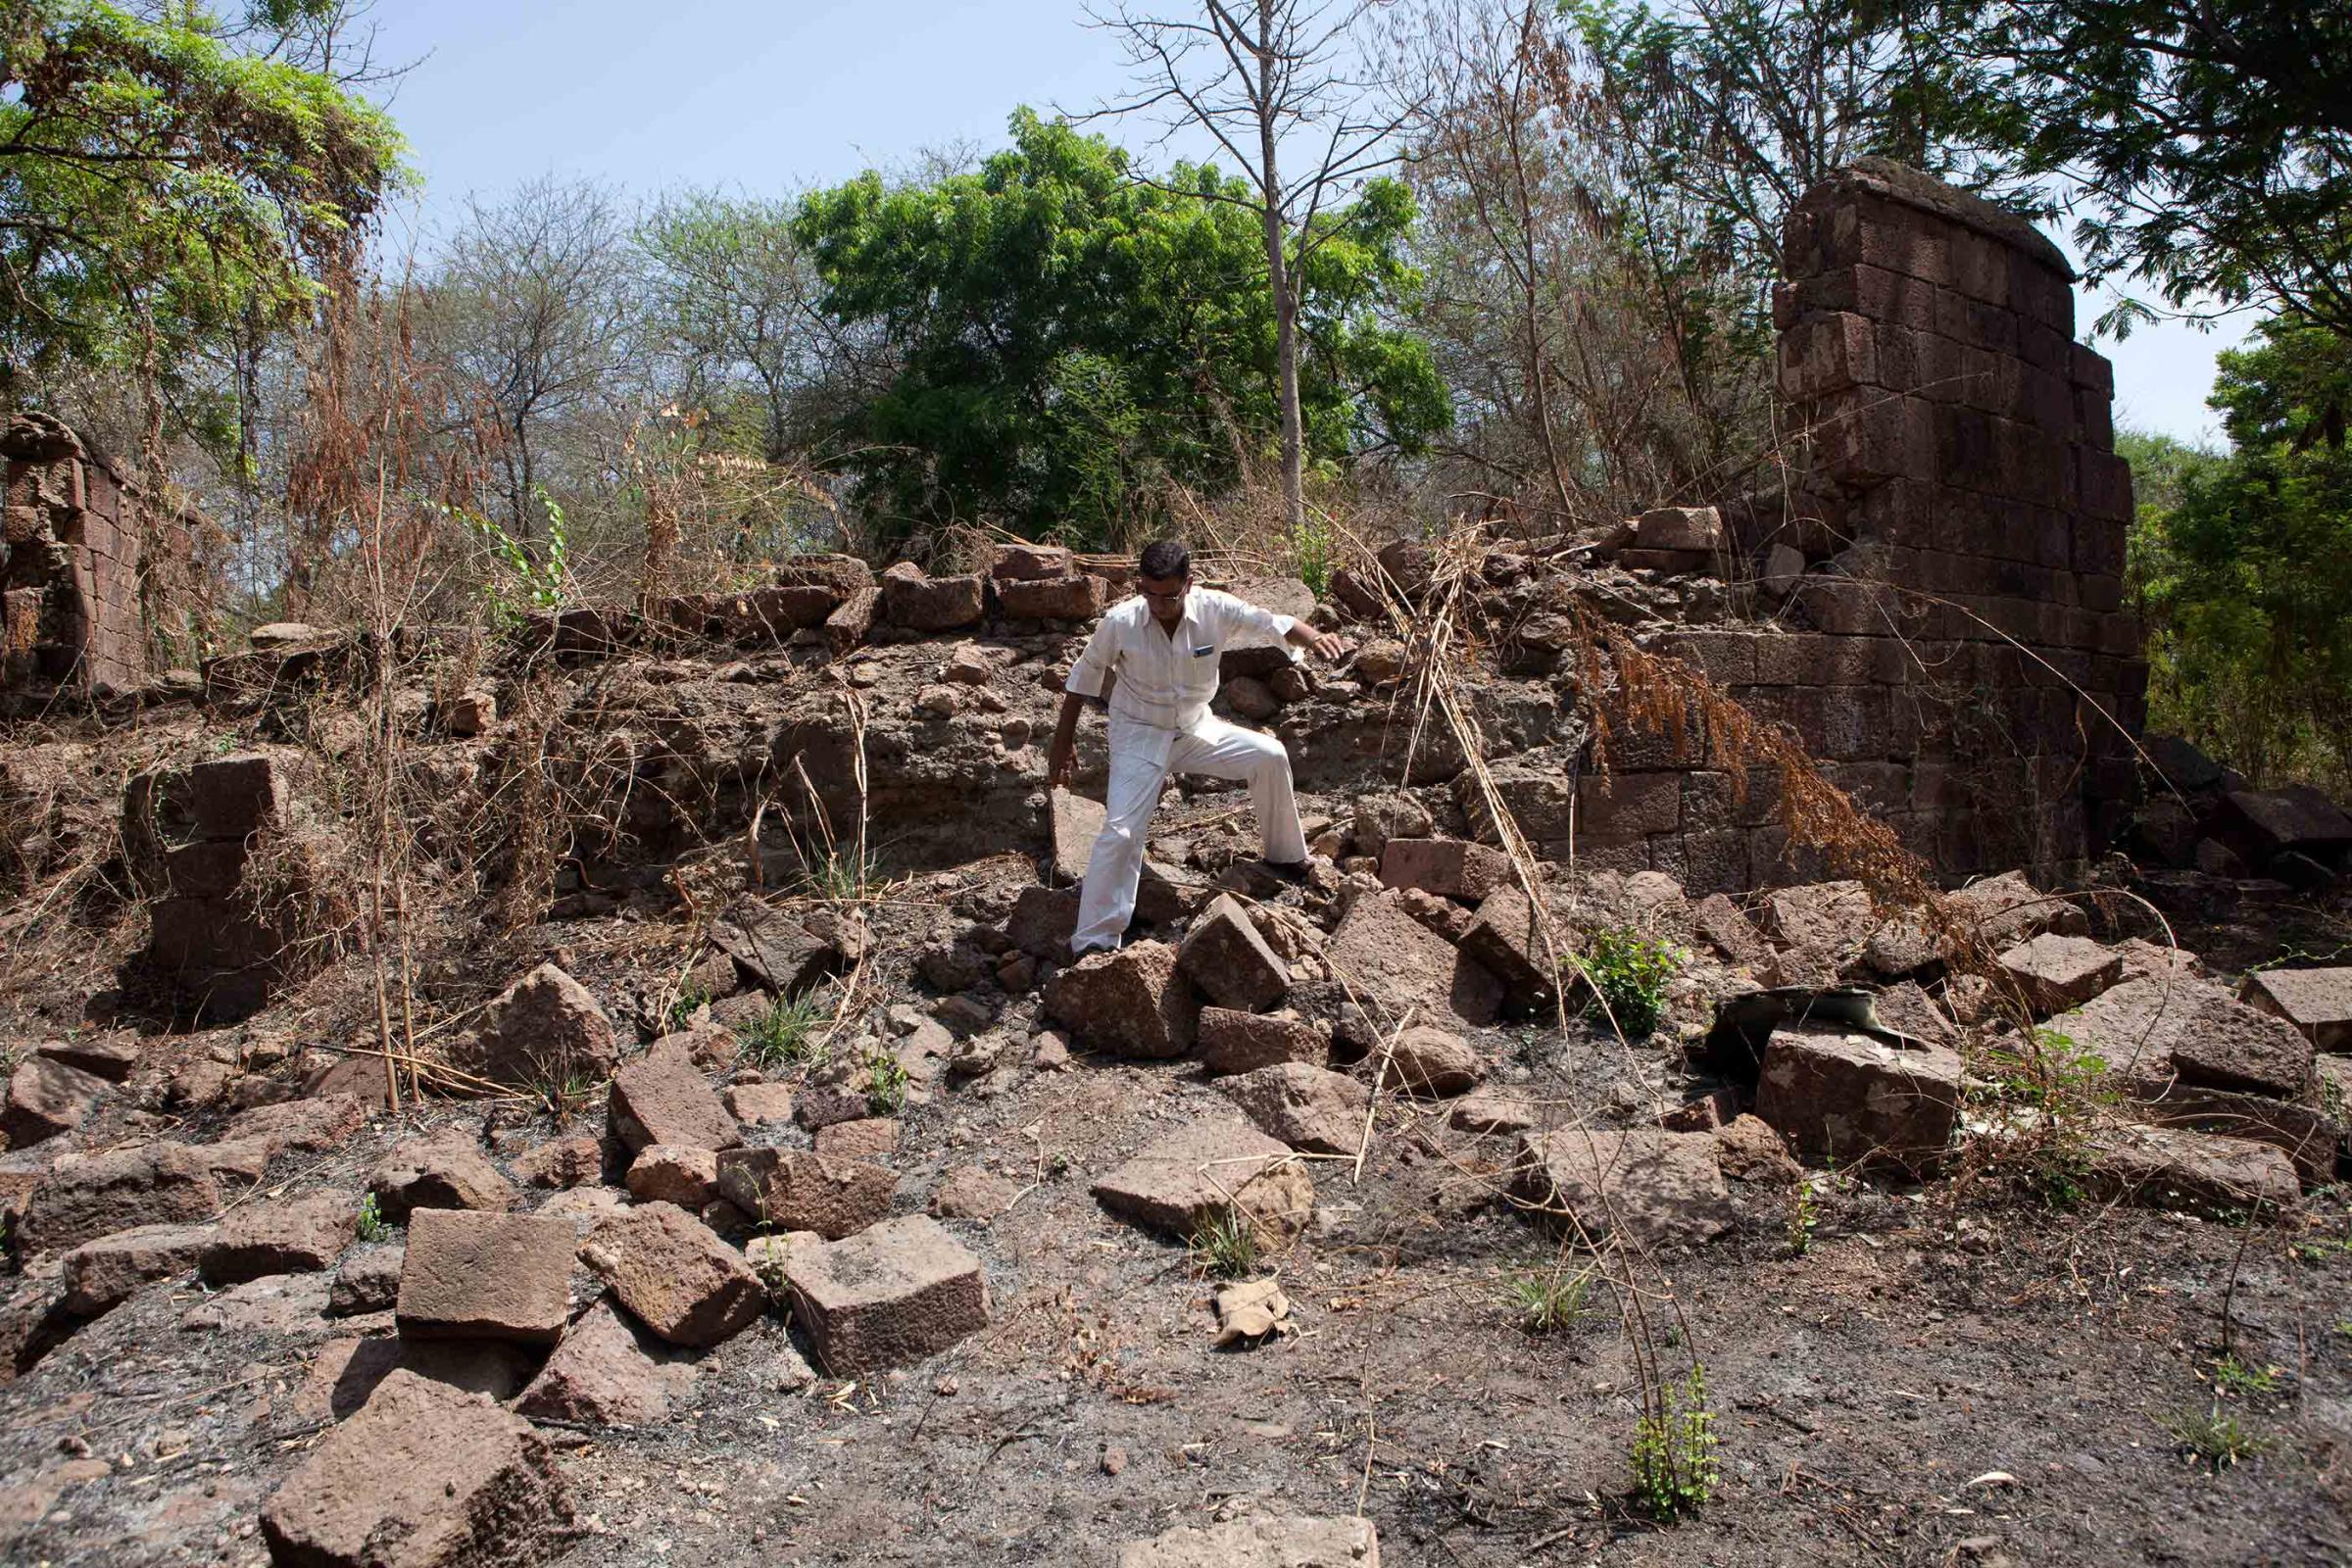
[{"x": 1164, "y": 559}]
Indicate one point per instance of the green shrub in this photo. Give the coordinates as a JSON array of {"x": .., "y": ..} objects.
[
  {"x": 1675, "y": 1472},
  {"x": 372, "y": 1221},
  {"x": 1626, "y": 975}
]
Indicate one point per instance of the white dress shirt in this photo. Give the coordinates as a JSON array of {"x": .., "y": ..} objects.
[{"x": 1166, "y": 681}]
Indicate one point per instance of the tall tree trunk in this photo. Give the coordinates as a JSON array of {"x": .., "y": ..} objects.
[{"x": 1278, "y": 274}]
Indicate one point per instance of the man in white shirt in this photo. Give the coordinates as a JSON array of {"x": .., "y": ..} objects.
[{"x": 1159, "y": 654}]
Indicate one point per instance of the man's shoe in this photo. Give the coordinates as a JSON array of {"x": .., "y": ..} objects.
[{"x": 1292, "y": 871}]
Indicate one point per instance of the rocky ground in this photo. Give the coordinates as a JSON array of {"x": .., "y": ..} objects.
[{"x": 837, "y": 1220}]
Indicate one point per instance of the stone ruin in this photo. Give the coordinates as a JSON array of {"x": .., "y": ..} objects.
[{"x": 72, "y": 539}]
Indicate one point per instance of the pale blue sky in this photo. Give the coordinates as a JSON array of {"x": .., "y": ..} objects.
[{"x": 768, "y": 97}]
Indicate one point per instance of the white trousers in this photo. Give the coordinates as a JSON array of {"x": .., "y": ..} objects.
[{"x": 1141, "y": 760}]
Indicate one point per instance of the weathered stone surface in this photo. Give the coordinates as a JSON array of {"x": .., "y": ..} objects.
[
  {"x": 1698, "y": 529},
  {"x": 485, "y": 1276},
  {"x": 2260, "y": 823},
  {"x": 667, "y": 1173},
  {"x": 2317, "y": 1001},
  {"x": 110, "y": 1055},
  {"x": 2305, "y": 1132},
  {"x": 423, "y": 1475},
  {"x": 2163, "y": 1168},
  {"x": 662, "y": 1098},
  {"x": 367, "y": 1282},
  {"x": 1075, "y": 598},
  {"x": 1224, "y": 954},
  {"x": 46, "y": 1098},
  {"x": 786, "y": 950},
  {"x": 1076, "y": 823},
  {"x": 444, "y": 1171},
  {"x": 867, "y": 1137},
  {"x": 1498, "y": 1111},
  {"x": 970, "y": 1192},
  {"x": 1659, "y": 1188},
  {"x": 1394, "y": 960},
  {"x": 561, "y": 1162},
  {"x": 1178, "y": 1183},
  {"x": 1748, "y": 1149},
  {"x": 1450, "y": 869},
  {"x": 797, "y": 1191},
  {"x": 604, "y": 1376},
  {"x": 1852, "y": 1099},
  {"x": 1381, "y": 818},
  {"x": 921, "y": 603},
  {"x": 1231, "y": 1041},
  {"x": 759, "y": 1105},
  {"x": 1824, "y": 914},
  {"x": 309, "y": 1125},
  {"x": 1288, "y": 1540},
  {"x": 1425, "y": 1061},
  {"x": 89, "y": 1196},
  {"x": 674, "y": 1274},
  {"x": 892, "y": 1294},
  {"x": 298, "y": 1236},
  {"x": 2055, "y": 973},
  {"x": 544, "y": 1029},
  {"x": 1307, "y": 1107},
  {"x": 1909, "y": 1010},
  {"x": 99, "y": 1273},
  {"x": 1503, "y": 939},
  {"x": 2003, "y": 910},
  {"x": 1726, "y": 927},
  {"x": 2152, "y": 1030},
  {"x": 1131, "y": 1002},
  {"x": 1702, "y": 1116}
]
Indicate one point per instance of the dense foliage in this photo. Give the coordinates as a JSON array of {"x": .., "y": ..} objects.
[
  {"x": 2244, "y": 563},
  {"x": 161, "y": 186},
  {"x": 1069, "y": 341}
]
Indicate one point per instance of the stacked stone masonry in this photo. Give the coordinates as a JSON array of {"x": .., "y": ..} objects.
[
  {"x": 1956, "y": 652},
  {"x": 71, "y": 541}
]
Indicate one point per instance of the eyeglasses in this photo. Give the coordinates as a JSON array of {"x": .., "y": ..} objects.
[{"x": 1167, "y": 598}]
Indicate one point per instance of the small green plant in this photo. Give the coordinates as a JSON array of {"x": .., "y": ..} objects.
[
  {"x": 683, "y": 1007},
  {"x": 1675, "y": 1472},
  {"x": 785, "y": 1035},
  {"x": 2326, "y": 1247},
  {"x": 372, "y": 1226},
  {"x": 886, "y": 1081},
  {"x": 524, "y": 582},
  {"x": 1313, "y": 550},
  {"x": 2231, "y": 1376},
  {"x": 2059, "y": 1175},
  {"x": 2049, "y": 1072},
  {"x": 1226, "y": 1246},
  {"x": 1804, "y": 1216},
  {"x": 839, "y": 875},
  {"x": 565, "y": 1093},
  {"x": 2217, "y": 1441},
  {"x": 1549, "y": 1300},
  {"x": 1627, "y": 974}
]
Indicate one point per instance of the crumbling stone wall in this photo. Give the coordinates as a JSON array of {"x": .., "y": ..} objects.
[
  {"x": 1939, "y": 592},
  {"x": 70, "y": 540}
]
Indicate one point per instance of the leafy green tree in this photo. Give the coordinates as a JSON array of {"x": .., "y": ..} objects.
[
  {"x": 2210, "y": 144},
  {"x": 1065, "y": 341},
  {"x": 2246, "y": 577},
  {"x": 163, "y": 185}
]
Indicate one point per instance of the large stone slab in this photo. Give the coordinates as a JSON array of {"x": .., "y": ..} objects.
[
  {"x": 888, "y": 1296},
  {"x": 603, "y": 1375},
  {"x": 1231, "y": 964},
  {"x": 1286, "y": 1541},
  {"x": 297, "y": 1236},
  {"x": 2154, "y": 1029},
  {"x": 543, "y": 1031},
  {"x": 2055, "y": 973},
  {"x": 423, "y": 1476},
  {"x": 99, "y": 1273},
  {"x": 1077, "y": 823},
  {"x": 2317, "y": 1001},
  {"x": 1307, "y": 1107},
  {"x": 2001, "y": 911},
  {"x": 1851, "y": 1099},
  {"x": 794, "y": 1190},
  {"x": 1189, "y": 1177},
  {"x": 1427, "y": 1061},
  {"x": 87, "y": 1196},
  {"x": 1450, "y": 869},
  {"x": 1131, "y": 1002},
  {"x": 674, "y": 1274},
  {"x": 1401, "y": 965},
  {"x": 485, "y": 1276},
  {"x": 921, "y": 603},
  {"x": 2200, "y": 1173},
  {"x": 664, "y": 1099},
  {"x": 45, "y": 1099},
  {"x": 1504, "y": 940},
  {"x": 447, "y": 1170},
  {"x": 1657, "y": 1188},
  {"x": 1231, "y": 1041}
]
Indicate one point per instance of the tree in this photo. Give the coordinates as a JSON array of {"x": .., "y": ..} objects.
[
  {"x": 2247, "y": 576},
  {"x": 1257, "y": 75},
  {"x": 1064, "y": 341},
  {"x": 530, "y": 309},
  {"x": 162, "y": 186},
  {"x": 2210, "y": 145}
]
